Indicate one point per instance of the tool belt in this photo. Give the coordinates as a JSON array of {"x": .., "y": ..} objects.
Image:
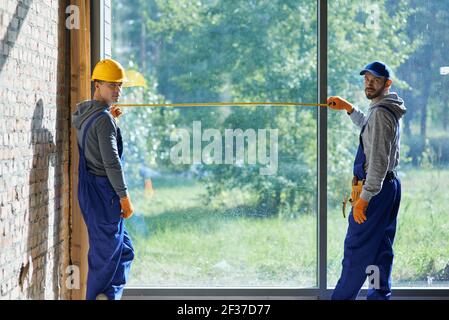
[
  {"x": 357, "y": 186},
  {"x": 356, "y": 190}
]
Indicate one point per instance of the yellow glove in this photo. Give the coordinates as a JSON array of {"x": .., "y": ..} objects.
[
  {"x": 127, "y": 207},
  {"x": 338, "y": 103},
  {"x": 358, "y": 211},
  {"x": 115, "y": 111}
]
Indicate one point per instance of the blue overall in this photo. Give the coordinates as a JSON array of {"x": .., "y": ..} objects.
[
  {"x": 110, "y": 248},
  {"x": 371, "y": 243}
]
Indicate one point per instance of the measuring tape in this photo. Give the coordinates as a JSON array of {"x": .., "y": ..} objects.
[{"x": 220, "y": 104}]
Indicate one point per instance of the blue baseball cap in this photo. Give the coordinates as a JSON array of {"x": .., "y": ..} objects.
[{"x": 378, "y": 69}]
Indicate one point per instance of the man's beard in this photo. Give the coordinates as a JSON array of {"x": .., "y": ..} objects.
[{"x": 373, "y": 94}]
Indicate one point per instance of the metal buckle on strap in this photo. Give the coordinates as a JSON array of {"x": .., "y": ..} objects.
[{"x": 390, "y": 175}]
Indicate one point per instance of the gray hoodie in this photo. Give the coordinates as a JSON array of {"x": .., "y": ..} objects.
[
  {"x": 101, "y": 143},
  {"x": 380, "y": 141}
]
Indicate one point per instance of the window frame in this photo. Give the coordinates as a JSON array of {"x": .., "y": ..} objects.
[{"x": 101, "y": 22}]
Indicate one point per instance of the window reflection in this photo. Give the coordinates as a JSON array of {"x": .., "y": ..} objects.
[{"x": 226, "y": 195}]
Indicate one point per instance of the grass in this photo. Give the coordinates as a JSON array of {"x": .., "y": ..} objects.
[
  {"x": 181, "y": 241},
  {"x": 423, "y": 226}
]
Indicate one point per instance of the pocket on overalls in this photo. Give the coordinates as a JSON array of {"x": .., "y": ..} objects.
[{"x": 110, "y": 201}]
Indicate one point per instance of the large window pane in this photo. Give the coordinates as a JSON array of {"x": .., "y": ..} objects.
[
  {"x": 209, "y": 213},
  {"x": 411, "y": 36}
]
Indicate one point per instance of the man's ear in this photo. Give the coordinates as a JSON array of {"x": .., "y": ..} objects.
[{"x": 388, "y": 83}]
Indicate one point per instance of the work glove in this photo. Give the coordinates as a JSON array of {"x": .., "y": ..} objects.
[
  {"x": 338, "y": 103},
  {"x": 359, "y": 210},
  {"x": 127, "y": 207},
  {"x": 115, "y": 111}
]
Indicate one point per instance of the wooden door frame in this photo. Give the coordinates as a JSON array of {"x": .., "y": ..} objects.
[{"x": 80, "y": 90}]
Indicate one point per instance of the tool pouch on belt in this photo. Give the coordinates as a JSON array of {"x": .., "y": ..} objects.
[{"x": 357, "y": 186}]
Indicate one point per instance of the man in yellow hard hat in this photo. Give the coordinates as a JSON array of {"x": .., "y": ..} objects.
[{"x": 102, "y": 191}]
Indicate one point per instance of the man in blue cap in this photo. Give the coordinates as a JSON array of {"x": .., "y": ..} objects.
[{"x": 376, "y": 190}]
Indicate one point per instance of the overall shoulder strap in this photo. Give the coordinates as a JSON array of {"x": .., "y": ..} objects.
[{"x": 89, "y": 123}]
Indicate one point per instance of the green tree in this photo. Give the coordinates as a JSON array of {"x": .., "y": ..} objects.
[{"x": 426, "y": 94}]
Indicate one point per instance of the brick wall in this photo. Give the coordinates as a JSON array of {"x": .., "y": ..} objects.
[{"x": 34, "y": 149}]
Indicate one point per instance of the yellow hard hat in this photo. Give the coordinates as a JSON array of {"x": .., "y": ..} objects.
[
  {"x": 109, "y": 70},
  {"x": 135, "y": 79}
]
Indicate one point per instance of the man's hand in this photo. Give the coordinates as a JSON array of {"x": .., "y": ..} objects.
[
  {"x": 359, "y": 210},
  {"x": 338, "y": 103},
  {"x": 115, "y": 111},
  {"x": 127, "y": 207}
]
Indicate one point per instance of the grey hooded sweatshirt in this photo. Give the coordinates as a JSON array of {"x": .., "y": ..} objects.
[
  {"x": 101, "y": 152},
  {"x": 381, "y": 141}
]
